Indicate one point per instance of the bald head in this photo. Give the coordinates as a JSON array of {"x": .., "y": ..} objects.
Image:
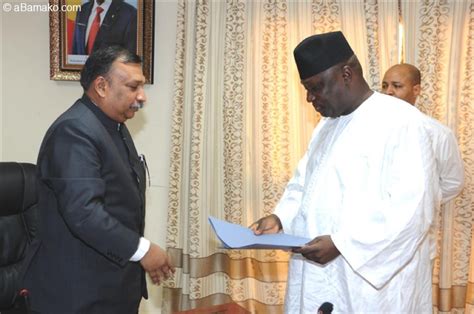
[{"x": 402, "y": 81}]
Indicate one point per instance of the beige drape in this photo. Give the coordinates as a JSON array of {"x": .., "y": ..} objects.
[
  {"x": 241, "y": 123},
  {"x": 440, "y": 41}
]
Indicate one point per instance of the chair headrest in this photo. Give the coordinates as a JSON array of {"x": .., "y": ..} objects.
[{"x": 17, "y": 187}]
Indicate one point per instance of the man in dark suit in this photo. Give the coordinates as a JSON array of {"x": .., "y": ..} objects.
[
  {"x": 92, "y": 256},
  {"x": 117, "y": 25}
]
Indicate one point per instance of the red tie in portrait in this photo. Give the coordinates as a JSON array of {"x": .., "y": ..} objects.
[{"x": 94, "y": 30}]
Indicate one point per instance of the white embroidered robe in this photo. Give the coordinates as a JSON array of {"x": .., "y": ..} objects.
[{"x": 367, "y": 180}]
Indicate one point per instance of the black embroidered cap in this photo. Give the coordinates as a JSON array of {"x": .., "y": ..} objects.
[{"x": 318, "y": 53}]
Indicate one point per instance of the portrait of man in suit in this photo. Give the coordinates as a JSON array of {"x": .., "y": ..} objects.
[{"x": 102, "y": 23}]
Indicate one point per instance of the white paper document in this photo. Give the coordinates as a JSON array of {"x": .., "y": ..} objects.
[{"x": 235, "y": 236}]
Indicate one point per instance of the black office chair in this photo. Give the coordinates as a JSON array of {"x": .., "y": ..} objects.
[{"x": 18, "y": 229}]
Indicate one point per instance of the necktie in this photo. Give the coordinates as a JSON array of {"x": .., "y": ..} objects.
[{"x": 94, "y": 30}]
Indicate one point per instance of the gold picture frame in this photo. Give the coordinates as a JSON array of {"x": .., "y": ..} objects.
[{"x": 66, "y": 65}]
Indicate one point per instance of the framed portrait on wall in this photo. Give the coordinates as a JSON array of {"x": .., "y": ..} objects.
[{"x": 79, "y": 27}]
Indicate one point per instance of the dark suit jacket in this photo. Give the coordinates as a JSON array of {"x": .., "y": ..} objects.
[
  {"x": 118, "y": 28},
  {"x": 91, "y": 216}
]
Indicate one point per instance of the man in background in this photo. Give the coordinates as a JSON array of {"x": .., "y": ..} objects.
[
  {"x": 404, "y": 82},
  {"x": 92, "y": 256},
  {"x": 364, "y": 192},
  {"x": 103, "y": 23}
]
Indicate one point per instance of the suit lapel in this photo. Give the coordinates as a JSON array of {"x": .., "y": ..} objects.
[
  {"x": 136, "y": 162},
  {"x": 87, "y": 12},
  {"x": 109, "y": 19},
  {"x": 138, "y": 168},
  {"x": 81, "y": 26}
]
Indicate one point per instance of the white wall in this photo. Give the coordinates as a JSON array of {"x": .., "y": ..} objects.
[
  {"x": 30, "y": 102},
  {"x": 1, "y": 82}
]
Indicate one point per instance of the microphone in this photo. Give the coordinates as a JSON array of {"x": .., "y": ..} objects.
[
  {"x": 137, "y": 106},
  {"x": 326, "y": 308},
  {"x": 24, "y": 293}
]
